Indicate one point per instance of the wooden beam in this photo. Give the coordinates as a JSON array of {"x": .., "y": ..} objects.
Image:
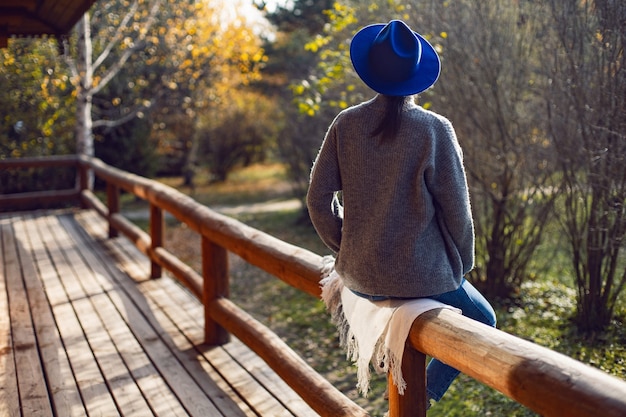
[
  {"x": 38, "y": 199},
  {"x": 157, "y": 226},
  {"x": 413, "y": 403},
  {"x": 215, "y": 280},
  {"x": 113, "y": 203},
  {"x": 543, "y": 380}
]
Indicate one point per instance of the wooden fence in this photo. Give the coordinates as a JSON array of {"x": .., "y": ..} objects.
[{"x": 547, "y": 382}]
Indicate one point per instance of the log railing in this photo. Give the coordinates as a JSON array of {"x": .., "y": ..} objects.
[
  {"x": 41, "y": 198},
  {"x": 545, "y": 381}
]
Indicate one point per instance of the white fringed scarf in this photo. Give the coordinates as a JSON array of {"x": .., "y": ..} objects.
[{"x": 372, "y": 331}]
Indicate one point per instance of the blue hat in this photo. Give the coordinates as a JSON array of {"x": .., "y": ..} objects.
[{"x": 393, "y": 60}]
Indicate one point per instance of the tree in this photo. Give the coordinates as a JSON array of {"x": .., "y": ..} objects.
[
  {"x": 586, "y": 113},
  {"x": 34, "y": 77},
  {"x": 122, "y": 29},
  {"x": 230, "y": 123},
  {"x": 159, "y": 59},
  {"x": 289, "y": 62},
  {"x": 36, "y": 108},
  {"x": 237, "y": 133},
  {"x": 491, "y": 88}
]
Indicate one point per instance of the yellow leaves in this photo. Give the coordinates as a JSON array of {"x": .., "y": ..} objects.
[
  {"x": 47, "y": 129},
  {"x": 260, "y": 56},
  {"x": 224, "y": 46},
  {"x": 342, "y": 104},
  {"x": 341, "y": 16},
  {"x": 308, "y": 107},
  {"x": 318, "y": 42},
  {"x": 9, "y": 59},
  {"x": 128, "y": 42},
  {"x": 444, "y": 35},
  {"x": 60, "y": 83},
  {"x": 186, "y": 63},
  {"x": 599, "y": 37},
  {"x": 298, "y": 89}
]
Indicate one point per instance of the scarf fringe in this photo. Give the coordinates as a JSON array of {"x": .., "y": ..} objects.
[{"x": 383, "y": 360}]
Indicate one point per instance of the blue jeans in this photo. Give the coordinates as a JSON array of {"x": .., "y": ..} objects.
[{"x": 440, "y": 376}]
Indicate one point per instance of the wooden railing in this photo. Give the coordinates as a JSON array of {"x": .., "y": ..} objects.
[
  {"x": 545, "y": 381},
  {"x": 41, "y": 198}
]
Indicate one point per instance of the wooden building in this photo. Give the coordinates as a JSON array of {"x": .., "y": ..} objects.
[{"x": 31, "y": 18}]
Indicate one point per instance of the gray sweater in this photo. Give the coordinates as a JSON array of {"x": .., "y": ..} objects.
[{"x": 404, "y": 225}]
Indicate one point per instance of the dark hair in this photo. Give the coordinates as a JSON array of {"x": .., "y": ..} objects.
[{"x": 390, "y": 123}]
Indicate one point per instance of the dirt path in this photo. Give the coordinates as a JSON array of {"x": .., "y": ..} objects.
[{"x": 264, "y": 207}]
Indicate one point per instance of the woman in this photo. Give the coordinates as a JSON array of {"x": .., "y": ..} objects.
[{"x": 403, "y": 227}]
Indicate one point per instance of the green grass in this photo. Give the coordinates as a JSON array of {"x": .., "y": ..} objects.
[
  {"x": 541, "y": 315},
  {"x": 253, "y": 184}
]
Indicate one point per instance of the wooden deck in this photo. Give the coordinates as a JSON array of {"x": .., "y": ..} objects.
[{"x": 83, "y": 331}]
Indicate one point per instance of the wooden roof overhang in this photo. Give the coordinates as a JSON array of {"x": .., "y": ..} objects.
[{"x": 31, "y": 18}]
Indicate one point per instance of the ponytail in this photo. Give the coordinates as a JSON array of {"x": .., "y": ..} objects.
[{"x": 390, "y": 123}]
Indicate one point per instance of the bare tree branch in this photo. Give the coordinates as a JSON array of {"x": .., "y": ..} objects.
[
  {"x": 139, "y": 44},
  {"x": 118, "y": 35},
  {"x": 126, "y": 118}
]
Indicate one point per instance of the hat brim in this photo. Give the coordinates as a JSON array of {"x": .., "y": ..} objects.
[{"x": 424, "y": 77}]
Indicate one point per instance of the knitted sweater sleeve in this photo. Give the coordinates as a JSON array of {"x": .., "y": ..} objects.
[
  {"x": 448, "y": 184},
  {"x": 324, "y": 208}
]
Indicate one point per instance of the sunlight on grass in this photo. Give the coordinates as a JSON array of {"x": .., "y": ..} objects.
[{"x": 252, "y": 184}]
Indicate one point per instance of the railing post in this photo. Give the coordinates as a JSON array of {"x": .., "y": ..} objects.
[
  {"x": 113, "y": 203},
  {"x": 157, "y": 225},
  {"x": 414, "y": 401},
  {"x": 215, "y": 285},
  {"x": 82, "y": 177}
]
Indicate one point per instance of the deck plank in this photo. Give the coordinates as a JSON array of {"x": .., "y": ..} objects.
[
  {"x": 136, "y": 265},
  {"x": 63, "y": 388},
  {"x": 9, "y": 397},
  {"x": 186, "y": 337},
  {"x": 233, "y": 353},
  {"x": 161, "y": 357},
  {"x": 85, "y": 331},
  {"x": 92, "y": 299},
  {"x": 245, "y": 371},
  {"x": 62, "y": 290},
  {"x": 33, "y": 396},
  {"x": 227, "y": 400},
  {"x": 164, "y": 354}
]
